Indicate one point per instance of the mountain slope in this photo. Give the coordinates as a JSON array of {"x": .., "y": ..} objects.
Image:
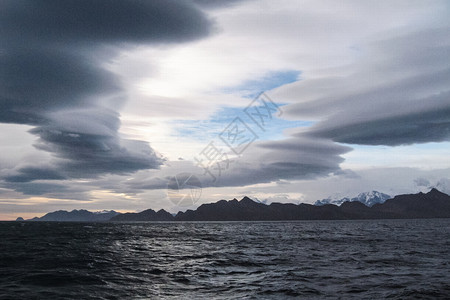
[
  {"x": 146, "y": 215},
  {"x": 81, "y": 215},
  {"x": 431, "y": 205}
]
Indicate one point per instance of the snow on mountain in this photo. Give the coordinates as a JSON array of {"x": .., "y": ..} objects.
[
  {"x": 368, "y": 198},
  {"x": 442, "y": 185},
  {"x": 371, "y": 198},
  {"x": 332, "y": 200},
  {"x": 103, "y": 212},
  {"x": 260, "y": 201}
]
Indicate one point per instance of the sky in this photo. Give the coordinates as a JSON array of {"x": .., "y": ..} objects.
[{"x": 106, "y": 104}]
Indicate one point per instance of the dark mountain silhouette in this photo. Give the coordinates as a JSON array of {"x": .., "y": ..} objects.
[
  {"x": 81, "y": 215},
  {"x": 146, "y": 215},
  {"x": 248, "y": 210},
  {"x": 433, "y": 204}
]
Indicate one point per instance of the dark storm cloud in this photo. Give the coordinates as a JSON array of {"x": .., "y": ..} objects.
[
  {"x": 55, "y": 190},
  {"x": 398, "y": 95},
  {"x": 32, "y": 173},
  {"x": 100, "y": 21},
  {"x": 51, "y": 77},
  {"x": 38, "y": 188},
  {"x": 432, "y": 125},
  {"x": 35, "y": 81},
  {"x": 87, "y": 139}
]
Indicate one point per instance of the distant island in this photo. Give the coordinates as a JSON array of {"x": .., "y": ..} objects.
[{"x": 433, "y": 204}]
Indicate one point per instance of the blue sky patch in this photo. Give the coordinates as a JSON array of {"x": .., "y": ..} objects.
[
  {"x": 207, "y": 130},
  {"x": 251, "y": 88}
]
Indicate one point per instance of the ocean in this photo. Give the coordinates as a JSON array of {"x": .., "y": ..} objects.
[{"x": 367, "y": 259}]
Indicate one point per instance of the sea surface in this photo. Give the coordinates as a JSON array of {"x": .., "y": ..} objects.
[{"x": 370, "y": 259}]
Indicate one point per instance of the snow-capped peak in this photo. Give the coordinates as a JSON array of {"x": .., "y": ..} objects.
[{"x": 367, "y": 198}]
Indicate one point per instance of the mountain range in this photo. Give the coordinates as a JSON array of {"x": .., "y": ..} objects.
[
  {"x": 433, "y": 204},
  {"x": 81, "y": 215},
  {"x": 145, "y": 215},
  {"x": 368, "y": 198}
]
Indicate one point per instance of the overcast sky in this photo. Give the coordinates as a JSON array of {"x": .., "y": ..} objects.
[{"x": 103, "y": 102}]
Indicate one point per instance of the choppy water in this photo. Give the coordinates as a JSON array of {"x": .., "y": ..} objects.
[{"x": 397, "y": 259}]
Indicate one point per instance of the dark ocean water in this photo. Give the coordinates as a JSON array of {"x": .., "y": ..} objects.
[{"x": 374, "y": 259}]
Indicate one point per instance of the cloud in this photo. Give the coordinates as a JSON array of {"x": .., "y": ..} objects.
[
  {"x": 398, "y": 94},
  {"x": 36, "y": 81},
  {"x": 216, "y": 3},
  {"x": 290, "y": 158},
  {"x": 422, "y": 182},
  {"x": 27, "y": 174},
  {"x": 50, "y": 188},
  {"x": 443, "y": 185},
  {"x": 432, "y": 125},
  {"x": 263, "y": 162},
  {"x": 271, "y": 80},
  {"x": 39, "y": 188},
  {"x": 53, "y": 76},
  {"x": 101, "y": 21}
]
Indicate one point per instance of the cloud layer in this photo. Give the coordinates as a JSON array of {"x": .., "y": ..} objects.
[
  {"x": 398, "y": 94},
  {"x": 53, "y": 76}
]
